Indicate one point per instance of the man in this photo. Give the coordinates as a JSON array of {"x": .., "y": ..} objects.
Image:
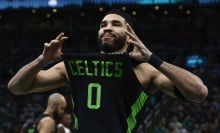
[
  {"x": 120, "y": 109},
  {"x": 65, "y": 123},
  {"x": 27, "y": 127},
  {"x": 46, "y": 122}
]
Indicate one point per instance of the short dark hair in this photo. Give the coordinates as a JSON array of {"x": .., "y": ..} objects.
[{"x": 126, "y": 16}]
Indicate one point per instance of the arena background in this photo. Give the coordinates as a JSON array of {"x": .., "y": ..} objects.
[{"x": 182, "y": 32}]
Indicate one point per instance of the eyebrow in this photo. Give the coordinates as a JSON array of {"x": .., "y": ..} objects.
[
  {"x": 116, "y": 21},
  {"x": 113, "y": 21}
]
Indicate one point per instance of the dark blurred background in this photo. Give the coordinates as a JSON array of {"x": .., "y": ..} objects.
[{"x": 183, "y": 32}]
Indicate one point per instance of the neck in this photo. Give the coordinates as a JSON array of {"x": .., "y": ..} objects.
[
  {"x": 49, "y": 112},
  {"x": 122, "y": 50}
]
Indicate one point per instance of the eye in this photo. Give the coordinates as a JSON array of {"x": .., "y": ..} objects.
[
  {"x": 102, "y": 24},
  {"x": 116, "y": 23}
]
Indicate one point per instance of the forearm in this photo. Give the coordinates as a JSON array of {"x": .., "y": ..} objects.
[
  {"x": 190, "y": 85},
  {"x": 23, "y": 79}
]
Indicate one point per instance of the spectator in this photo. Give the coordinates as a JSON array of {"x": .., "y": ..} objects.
[
  {"x": 46, "y": 122},
  {"x": 161, "y": 127},
  {"x": 65, "y": 124}
]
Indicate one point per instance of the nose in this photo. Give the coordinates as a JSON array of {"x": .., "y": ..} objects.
[{"x": 108, "y": 27}]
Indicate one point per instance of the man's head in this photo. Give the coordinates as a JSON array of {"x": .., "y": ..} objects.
[
  {"x": 126, "y": 16},
  {"x": 66, "y": 119},
  {"x": 112, "y": 31},
  {"x": 56, "y": 105}
]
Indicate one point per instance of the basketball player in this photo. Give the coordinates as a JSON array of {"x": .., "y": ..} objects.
[
  {"x": 46, "y": 122},
  {"x": 120, "y": 101}
]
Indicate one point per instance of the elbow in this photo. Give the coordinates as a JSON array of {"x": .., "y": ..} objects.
[
  {"x": 204, "y": 93},
  {"x": 201, "y": 94},
  {"x": 14, "y": 89}
]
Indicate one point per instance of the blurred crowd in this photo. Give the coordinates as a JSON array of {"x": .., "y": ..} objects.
[
  {"x": 172, "y": 37},
  {"x": 192, "y": 118}
]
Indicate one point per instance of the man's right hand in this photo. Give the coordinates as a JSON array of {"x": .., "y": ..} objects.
[{"x": 52, "y": 50}]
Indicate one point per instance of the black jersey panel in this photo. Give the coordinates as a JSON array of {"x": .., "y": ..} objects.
[{"x": 106, "y": 93}]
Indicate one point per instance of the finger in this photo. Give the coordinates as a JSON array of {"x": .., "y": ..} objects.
[
  {"x": 132, "y": 42},
  {"x": 135, "y": 43},
  {"x": 63, "y": 38},
  {"x": 130, "y": 29},
  {"x": 131, "y": 54},
  {"x": 132, "y": 36},
  {"x": 60, "y": 41},
  {"x": 60, "y": 36}
]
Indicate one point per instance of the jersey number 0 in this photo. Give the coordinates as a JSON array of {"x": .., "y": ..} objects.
[{"x": 94, "y": 87}]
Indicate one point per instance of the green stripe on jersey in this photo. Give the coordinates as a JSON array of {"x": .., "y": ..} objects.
[
  {"x": 135, "y": 108},
  {"x": 75, "y": 117}
]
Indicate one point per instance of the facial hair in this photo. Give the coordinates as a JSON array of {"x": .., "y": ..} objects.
[
  {"x": 56, "y": 114},
  {"x": 118, "y": 43}
]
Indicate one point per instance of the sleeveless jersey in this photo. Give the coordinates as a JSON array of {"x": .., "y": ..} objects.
[{"x": 107, "y": 96}]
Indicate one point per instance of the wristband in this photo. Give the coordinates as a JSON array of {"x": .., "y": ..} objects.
[{"x": 155, "y": 61}]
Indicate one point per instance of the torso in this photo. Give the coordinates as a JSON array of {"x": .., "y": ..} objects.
[
  {"x": 144, "y": 73},
  {"x": 109, "y": 104}
]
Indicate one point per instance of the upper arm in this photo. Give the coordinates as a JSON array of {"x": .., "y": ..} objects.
[
  {"x": 46, "y": 125},
  {"x": 51, "y": 78},
  {"x": 153, "y": 80},
  {"x": 162, "y": 83}
]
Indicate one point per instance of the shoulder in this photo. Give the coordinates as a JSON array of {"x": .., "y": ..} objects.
[
  {"x": 59, "y": 66},
  {"x": 61, "y": 69},
  {"x": 46, "y": 124},
  {"x": 47, "y": 121}
]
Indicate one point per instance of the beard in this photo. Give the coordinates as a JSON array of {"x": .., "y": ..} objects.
[
  {"x": 118, "y": 43},
  {"x": 56, "y": 114}
]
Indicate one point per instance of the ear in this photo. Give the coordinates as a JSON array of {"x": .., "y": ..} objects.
[
  {"x": 128, "y": 28},
  {"x": 55, "y": 106}
]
